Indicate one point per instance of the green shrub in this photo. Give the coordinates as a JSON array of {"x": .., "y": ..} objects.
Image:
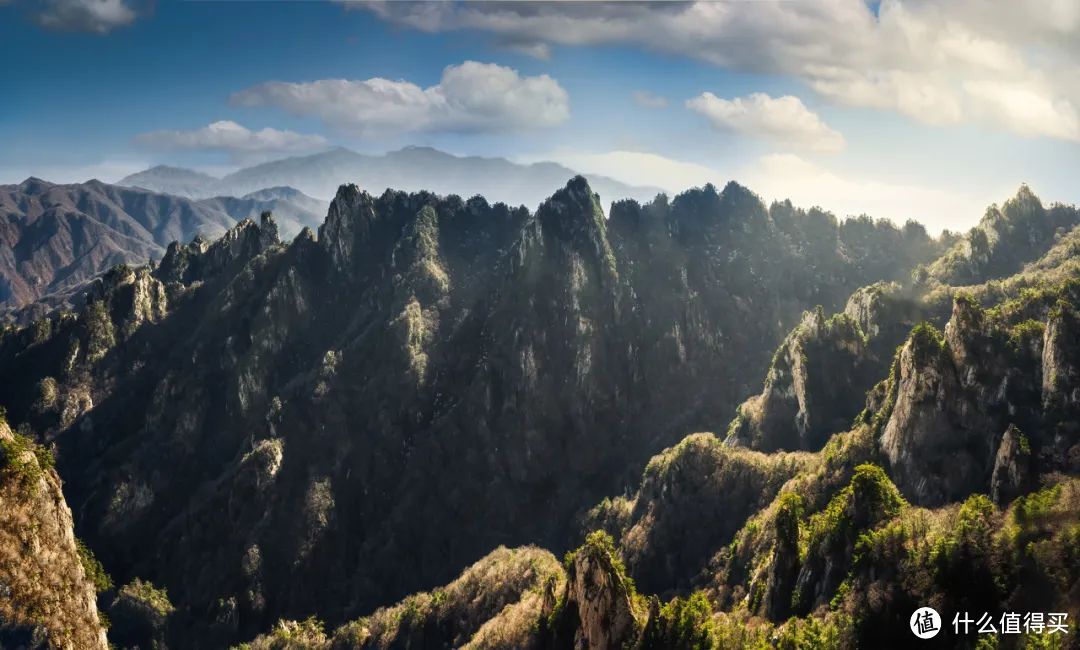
[
  {"x": 290, "y": 635},
  {"x": 812, "y": 634},
  {"x": 600, "y": 544},
  {"x": 927, "y": 343},
  {"x": 682, "y": 624},
  {"x": 145, "y": 592},
  {"x": 24, "y": 460},
  {"x": 789, "y": 512},
  {"x": 966, "y": 557},
  {"x": 870, "y": 497},
  {"x": 95, "y": 572},
  {"x": 1021, "y": 334}
]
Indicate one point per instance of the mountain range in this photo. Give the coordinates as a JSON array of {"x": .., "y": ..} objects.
[
  {"x": 58, "y": 237},
  {"x": 384, "y": 437},
  {"x": 409, "y": 169}
]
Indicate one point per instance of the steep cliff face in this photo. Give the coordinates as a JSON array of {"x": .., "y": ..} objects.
[
  {"x": 46, "y": 598},
  {"x": 807, "y": 386},
  {"x": 820, "y": 365},
  {"x": 1061, "y": 368},
  {"x": 927, "y": 426},
  {"x": 839, "y": 546},
  {"x": 952, "y": 397},
  {"x": 1012, "y": 475},
  {"x": 600, "y": 602}
]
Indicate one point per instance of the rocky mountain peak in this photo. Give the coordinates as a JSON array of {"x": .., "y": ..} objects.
[
  {"x": 573, "y": 215},
  {"x": 601, "y": 597},
  {"x": 572, "y": 211},
  {"x": 200, "y": 259},
  {"x": 1012, "y": 467},
  {"x": 268, "y": 231},
  {"x": 34, "y": 186},
  {"x": 348, "y": 220}
]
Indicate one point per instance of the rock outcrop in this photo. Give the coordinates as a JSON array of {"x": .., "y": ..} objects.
[
  {"x": 821, "y": 363},
  {"x": 1012, "y": 475},
  {"x": 600, "y": 602}
]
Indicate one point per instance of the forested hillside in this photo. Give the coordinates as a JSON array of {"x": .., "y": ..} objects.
[{"x": 282, "y": 439}]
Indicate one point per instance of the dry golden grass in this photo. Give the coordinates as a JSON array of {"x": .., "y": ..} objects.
[
  {"x": 42, "y": 582},
  {"x": 481, "y": 595}
]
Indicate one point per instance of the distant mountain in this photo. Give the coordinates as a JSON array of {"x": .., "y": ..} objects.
[
  {"x": 409, "y": 169},
  {"x": 293, "y": 210},
  {"x": 58, "y": 236},
  {"x": 173, "y": 180}
]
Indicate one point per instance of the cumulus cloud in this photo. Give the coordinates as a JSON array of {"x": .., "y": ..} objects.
[
  {"x": 1026, "y": 110},
  {"x": 471, "y": 97},
  {"x": 96, "y": 16},
  {"x": 241, "y": 143},
  {"x": 1010, "y": 65},
  {"x": 646, "y": 99},
  {"x": 782, "y": 119}
]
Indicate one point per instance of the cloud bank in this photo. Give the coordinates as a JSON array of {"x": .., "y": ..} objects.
[
  {"x": 471, "y": 97},
  {"x": 782, "y": 119},
  {"x": 1008, "y": 65},
  {"x": 242, "y": 144},
  {"x": 95, "y": 16}
]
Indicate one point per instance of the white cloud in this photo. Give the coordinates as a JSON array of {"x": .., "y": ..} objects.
[
  {"x": 1026, "y": 110},
  {"x": 97, "y": 16},
  {"x": 781, "y": 119},
  {"x": 471, "y": 97},
  {"x": 931, "y": 60},
  {"x": 646, "y": 99},
  {"x": 238, "y": 141}
]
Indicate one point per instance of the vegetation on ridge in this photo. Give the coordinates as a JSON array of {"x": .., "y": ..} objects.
[{"x": 355, "y": 418}]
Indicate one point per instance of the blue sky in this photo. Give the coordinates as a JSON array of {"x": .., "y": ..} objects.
[{"x": 912, "y": 110}]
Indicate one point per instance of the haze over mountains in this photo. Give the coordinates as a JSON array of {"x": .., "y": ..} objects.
[
  {"x": 60, "y": 236},
  {"x": 57, "y": 237},
  {"x": 408, "y": 169}
]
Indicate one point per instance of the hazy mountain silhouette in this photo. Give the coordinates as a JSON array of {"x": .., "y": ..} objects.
[{"x": 408, "y": 169}]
